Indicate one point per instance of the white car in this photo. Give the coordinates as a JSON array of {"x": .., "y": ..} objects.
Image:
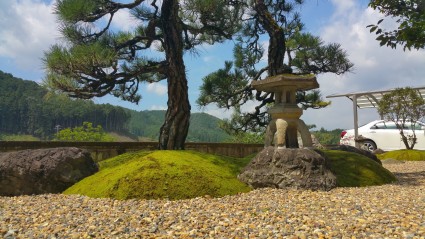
[{"x": 384, "y": 135}]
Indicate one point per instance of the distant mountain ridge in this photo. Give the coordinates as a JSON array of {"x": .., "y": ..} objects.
[{"x": 24, "y": 109}]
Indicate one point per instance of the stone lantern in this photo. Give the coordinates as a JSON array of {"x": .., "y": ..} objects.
[{"x": 282, "y": 129}]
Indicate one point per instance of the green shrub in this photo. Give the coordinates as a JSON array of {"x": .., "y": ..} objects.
[{"x": 86, "y": 133}]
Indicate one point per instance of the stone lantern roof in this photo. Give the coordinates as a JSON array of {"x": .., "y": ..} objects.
[{"x": 275, "y": 83}]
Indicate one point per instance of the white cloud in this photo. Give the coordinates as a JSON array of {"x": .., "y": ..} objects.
[
  {"x": 217, "y": 112},
  {"x": 265, "y": 45},
  {"x": 27, "y": 29},
  {"x": 124, "y": 21},
  {"x": 208, "y": 59},
  {"x": 375, "y": 67},
  {"x": 225, "y": 113},
  {"x": 343, "y": 7},
  {"x": 157, "y": 88}
]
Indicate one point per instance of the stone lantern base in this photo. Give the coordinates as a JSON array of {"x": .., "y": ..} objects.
[{"x": 284, "y": 127}]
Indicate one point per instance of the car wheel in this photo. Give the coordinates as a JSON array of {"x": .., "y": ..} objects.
[{"x": 369, "y": 145}]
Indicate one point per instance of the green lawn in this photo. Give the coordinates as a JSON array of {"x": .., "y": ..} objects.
[
  {"x": 404, "y": 155},
  {"x": 18, "y": 137}
]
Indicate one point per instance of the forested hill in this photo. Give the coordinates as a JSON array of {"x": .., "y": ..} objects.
[
  {"x": 25, "y": 109},
  {"x": 203, "y": 127}
]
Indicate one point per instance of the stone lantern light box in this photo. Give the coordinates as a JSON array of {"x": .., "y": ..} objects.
[{"x": 285, "y": 113}]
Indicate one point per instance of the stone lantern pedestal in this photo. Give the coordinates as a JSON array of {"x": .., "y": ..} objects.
[
  {"x": 285, "y": 114},
  {"x": 280, "y": 167}
]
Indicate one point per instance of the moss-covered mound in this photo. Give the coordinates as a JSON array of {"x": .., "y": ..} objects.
[
  {"x": 164, "y": 174},
  {"x": 355, "y": 170},
  {"x": 404, "y": 154},
  {"x": 189, "y": 174}
]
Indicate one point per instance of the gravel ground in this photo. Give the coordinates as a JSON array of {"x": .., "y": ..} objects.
[{"x": 389, "y": 211}]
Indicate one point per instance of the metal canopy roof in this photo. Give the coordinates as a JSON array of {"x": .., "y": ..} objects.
[{"x": 370, "y": 99}]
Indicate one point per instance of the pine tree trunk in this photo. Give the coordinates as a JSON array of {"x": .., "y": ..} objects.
[
  {"x": 176, "y": 125},
  {"x": 276, "y": 51}
]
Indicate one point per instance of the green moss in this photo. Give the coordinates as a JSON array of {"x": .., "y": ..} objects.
[
  {"x": 164, "y": 174},
  {"x": 297, "y": 76},
  {"x": 122, "y": 159},
  {"x": 355, "y": 170},
  {"x": 189, "y": 174},
  {"x": 404, "y": 154}
]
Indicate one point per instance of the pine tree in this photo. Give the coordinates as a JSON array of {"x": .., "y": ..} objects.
[
  {"x": 95, "y": 60},
  {"x": 230, "y": 87}
]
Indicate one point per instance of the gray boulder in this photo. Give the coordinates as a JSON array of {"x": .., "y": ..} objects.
[
  {"x": 281, "y": 168},
  {"x": 41, "y": 171}
]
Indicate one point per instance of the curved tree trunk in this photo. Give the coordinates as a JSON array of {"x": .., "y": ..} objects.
[
  {"x": 176, "y": 125},
  {"x": 276, "y": 51}
]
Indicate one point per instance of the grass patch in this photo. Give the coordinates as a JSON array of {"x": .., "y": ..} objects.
[
  {"x": 355, "y": 170},
  {"x": 164, "y": 174},
  {"x": 122, "y": 137},
  {"x": 404, "y": 154},
  {"x": 18, "y": 137}
]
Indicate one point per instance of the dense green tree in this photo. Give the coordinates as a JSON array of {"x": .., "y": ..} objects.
[
  {"x": 325, "y": 137},
  {"x": 401, "y": 106},
  {"x": 410, "y": 17},
  {"x": 328, "y": 137},
  {"x": 84, "y": 133},
  {"x": 27, "y": 108},
  {"x": 278, "y": 20},
  {"x": 96, "y": 61},
  {"x": 246, "y": 138}
]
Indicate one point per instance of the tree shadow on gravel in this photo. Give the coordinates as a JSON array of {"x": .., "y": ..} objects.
[{"x": 410, "y": 179}]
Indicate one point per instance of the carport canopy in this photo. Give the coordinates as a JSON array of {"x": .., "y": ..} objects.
[{"x": 369, "y": 99}]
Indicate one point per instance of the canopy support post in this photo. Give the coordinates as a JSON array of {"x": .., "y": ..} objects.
[{"x": 356, "y": 121}]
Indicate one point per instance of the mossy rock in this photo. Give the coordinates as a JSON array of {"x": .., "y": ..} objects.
[
  {"x": 164, "y": 174},
  {"x": 404, "y": 155},
  {"x": 355, "y": 170}
]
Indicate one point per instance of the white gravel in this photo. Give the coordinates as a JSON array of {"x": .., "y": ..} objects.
[{"x": 389, "y": 211}]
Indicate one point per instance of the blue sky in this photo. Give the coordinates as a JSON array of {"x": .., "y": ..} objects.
[{"x": 28, "y": 28}]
